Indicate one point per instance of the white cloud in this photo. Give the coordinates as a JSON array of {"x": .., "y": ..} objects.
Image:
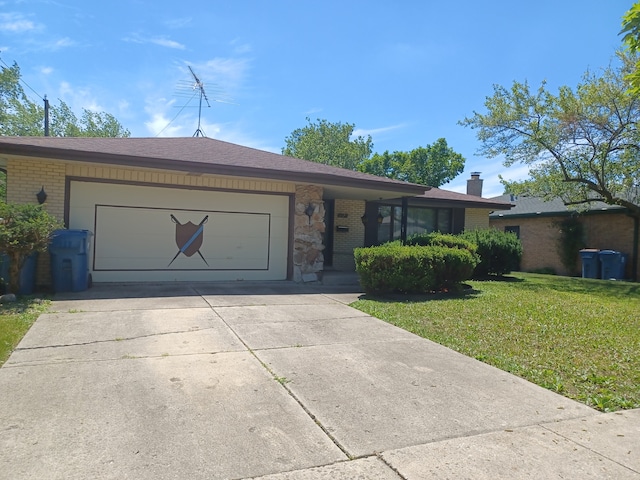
[
  {"x": 16, "y": 23},
  {"x": 313, "y": 110},
  {"x": 78, "y": 98},
  {"x": 62, "y": 43},
  {"x": 161, "y": 41},
  {"x": 164, "y": 42},
  {"x": 375, "y": 131},
  {"x": 239, "y": 47},
  {"x": 46, "y": 70},
  {"x": 158, "y": 125},
  {"x": 178, "y": 22}
]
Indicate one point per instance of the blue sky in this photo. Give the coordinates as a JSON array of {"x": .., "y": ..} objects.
[{"x": 404, "y": 72}]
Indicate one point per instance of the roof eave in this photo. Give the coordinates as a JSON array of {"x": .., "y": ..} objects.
[{"x": 407, "y": 189}]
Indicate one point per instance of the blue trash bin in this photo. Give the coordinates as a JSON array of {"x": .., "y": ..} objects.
[
  {"x": 613, "y": 264},
  {"x": 590, "y": 263},
  {"x": 27, "y": 280},
  {"x": 69, "y": 265}
]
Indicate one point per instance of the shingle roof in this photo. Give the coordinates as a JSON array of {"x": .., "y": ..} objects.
[
  {"x": 446, "y": 196},
  {"x": 198, "y": 155},
  {"x": 535, "y": 206}
]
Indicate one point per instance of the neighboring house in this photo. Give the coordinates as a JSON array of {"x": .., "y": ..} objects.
[
  {"x": 198, "y": 209},
  {"x": 537, "y": 224}
]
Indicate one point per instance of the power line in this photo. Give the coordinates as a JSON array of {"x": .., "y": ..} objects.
[
  {"x": 179, "y": 112},
  {"x": 22, "y": 81}
]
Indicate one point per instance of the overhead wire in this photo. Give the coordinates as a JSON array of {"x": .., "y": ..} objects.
[
  {"x": 176, "y": 116},
  {"x": 23, "y": 82}
]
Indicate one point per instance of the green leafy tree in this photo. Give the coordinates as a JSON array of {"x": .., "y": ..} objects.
[
  {"x": 580, "y": 144},
  {"x": 24, "y": 229},
  {"x": 432, "y": 165},
  {"x": 631, "y": 37},
  {"x": 19, "y": 116},
  {"x": 328, "y": 143}
]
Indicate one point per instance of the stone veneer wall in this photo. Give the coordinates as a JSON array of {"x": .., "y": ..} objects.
[{"x": 308, "y": 259}]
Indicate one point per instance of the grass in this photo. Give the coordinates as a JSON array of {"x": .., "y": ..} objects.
[
  {"x": 577, "y": 337},
  {"x": 15, "y": 320}
]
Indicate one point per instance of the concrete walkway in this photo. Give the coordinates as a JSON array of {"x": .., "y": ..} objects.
[{"x": 277, "y": 381}]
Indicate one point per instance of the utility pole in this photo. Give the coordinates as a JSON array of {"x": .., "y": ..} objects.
[{"x": 46, "y": 116}]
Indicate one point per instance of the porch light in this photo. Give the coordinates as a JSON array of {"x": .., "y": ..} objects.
[
  {"x": 41, "y": 196},
  {"x": 380, "y": 218},
  {"x": 364, "y": 219},
  {"x": 309, "y": 211}
]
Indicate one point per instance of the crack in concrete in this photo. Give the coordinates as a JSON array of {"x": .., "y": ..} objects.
[
  {"x": 333, "y": 439},
  {"x": 600, "y": 454},
  {"x": 117, "y": 339}
]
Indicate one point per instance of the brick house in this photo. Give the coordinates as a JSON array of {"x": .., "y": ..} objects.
[
  {"x": 199, "y": 209},
  {"x": 536, "y": 222}
]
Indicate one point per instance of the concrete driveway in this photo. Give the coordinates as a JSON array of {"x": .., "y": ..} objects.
[{"x": 278, "y": 381}]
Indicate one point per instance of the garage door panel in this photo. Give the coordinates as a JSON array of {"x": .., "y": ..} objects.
[{"x": 135, "y": 231}]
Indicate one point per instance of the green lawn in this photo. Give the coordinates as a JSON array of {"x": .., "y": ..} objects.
[
  {"x": 577, "y": 337},
  {"x": 15, "y": 320}
]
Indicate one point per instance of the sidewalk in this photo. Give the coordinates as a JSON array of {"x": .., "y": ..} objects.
[{"x": 278, "y": 381}]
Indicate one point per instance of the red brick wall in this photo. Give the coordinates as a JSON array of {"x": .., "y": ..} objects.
[{"x": 539, "y": 238}]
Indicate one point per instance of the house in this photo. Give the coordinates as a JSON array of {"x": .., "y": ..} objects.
[
  {"x": 537, "y": 224},
  {"x": 199, "y": 209}
]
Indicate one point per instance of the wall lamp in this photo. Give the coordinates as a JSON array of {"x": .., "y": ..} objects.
[
  {"x": 41, "y": 196},
  {"x": 309, "y": 211},
  {"x": 364, "y": 219}
]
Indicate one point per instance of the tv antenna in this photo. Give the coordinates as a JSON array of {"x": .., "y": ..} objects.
[
  {"x": 199, "y": 86},
  {"x": 189, "y": 89}
]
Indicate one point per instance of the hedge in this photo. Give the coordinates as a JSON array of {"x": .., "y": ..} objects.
[
  {"x": 399, "y": 268},
  {"x": 500, "y": 252}
]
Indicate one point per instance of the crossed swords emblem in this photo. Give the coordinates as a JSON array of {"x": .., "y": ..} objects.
[{"x": 189, "y": 238}]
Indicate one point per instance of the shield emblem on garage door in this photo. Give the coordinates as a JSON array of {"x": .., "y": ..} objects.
[{"x": 189, "y": 238}]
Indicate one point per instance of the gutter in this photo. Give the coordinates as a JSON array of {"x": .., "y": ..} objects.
[{"x": 401, "y": 188}]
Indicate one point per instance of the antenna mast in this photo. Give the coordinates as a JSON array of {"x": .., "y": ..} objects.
[{"x": 200, "y": 86}]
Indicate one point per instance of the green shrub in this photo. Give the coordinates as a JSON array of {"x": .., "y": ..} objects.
[
  {"x": 500, "y": 252},
  {"x": 412, "y": 269},
  {"x": 443, "y": 240},
  {"x": 570, "y": 242},
  {"x": 24, "y": 229}
]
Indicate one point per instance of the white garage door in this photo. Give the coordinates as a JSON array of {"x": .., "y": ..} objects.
[{"x": 166, "y": 234}]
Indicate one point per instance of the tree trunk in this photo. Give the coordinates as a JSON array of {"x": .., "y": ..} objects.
[{"x": 16, "y": 261}]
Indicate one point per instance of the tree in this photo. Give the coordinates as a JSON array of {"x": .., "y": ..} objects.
[
  {"x": 433, "y": 165},
  {"x": 328, "y": 143},
  {"x": 24, "y": 229},
  {"x": 21, "y": 117},
  {"x": 631, "y": 32},
  {"x": 581, "y": 144},
  {"x": 18, "y": 115}
]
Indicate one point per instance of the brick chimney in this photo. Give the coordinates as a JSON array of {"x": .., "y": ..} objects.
[{"x": 474, "y": 185}]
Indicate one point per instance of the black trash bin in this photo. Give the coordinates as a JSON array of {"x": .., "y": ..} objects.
[
  {"x": 612, "y": 264},
  {"x": 590, "y": 263},
  {"x": 69, "y": 251}
]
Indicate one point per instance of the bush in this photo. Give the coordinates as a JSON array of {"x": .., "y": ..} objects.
[
  {"x": 500, "y": 252},
  {"x": 24, "y": 229},
  {"x": 442, "y": 240},
  {"x": 570, "y": 242},
  {"x": 412, "y": 269}
]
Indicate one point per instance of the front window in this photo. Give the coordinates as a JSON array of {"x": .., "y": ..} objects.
[{"x": 419, "y": 220}]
